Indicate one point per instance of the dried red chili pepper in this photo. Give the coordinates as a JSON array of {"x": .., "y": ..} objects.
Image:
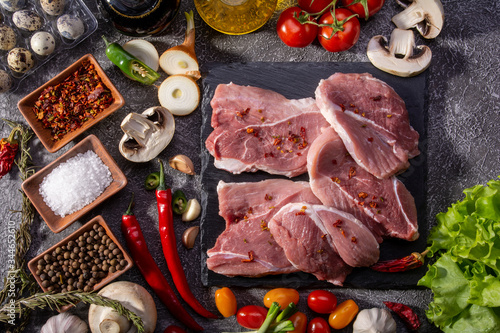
[
  {"x": 412, "y": 261},
  {"x": 8, "y": 150},
  {"x": 406, "y": 313}
]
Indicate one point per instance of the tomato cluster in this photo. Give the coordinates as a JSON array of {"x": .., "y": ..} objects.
[{"x": 337, "y": 29}]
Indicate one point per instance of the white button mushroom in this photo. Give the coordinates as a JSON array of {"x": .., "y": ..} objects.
[
  {"x": 146, "y": 134},
  {"x": 132, "y": 296},
  {"x": 427, "y": 16},
  {"x": 397, "y": 58}
]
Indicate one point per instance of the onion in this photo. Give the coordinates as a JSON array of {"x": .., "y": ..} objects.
[
  {"x": 181, "y": 59},
  {"x": 179, "y": 94},
  {"x": 144, "y": 51}
]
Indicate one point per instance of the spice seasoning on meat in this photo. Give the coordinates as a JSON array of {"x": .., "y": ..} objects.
[
  {"x": 362, "y": 195},
  {"x": 352, "y": 172},
  {"x": 250, "y": 257},
  {"x": 66, "y": 106}
]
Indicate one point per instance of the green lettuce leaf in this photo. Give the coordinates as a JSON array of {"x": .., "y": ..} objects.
[{"x": 475, "y": 319}]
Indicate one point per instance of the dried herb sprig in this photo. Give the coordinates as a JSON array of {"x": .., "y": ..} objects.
[{"x": 59, "y": 300}]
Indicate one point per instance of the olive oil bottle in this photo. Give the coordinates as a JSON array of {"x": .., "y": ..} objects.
[{"x": 235, "y": 17}]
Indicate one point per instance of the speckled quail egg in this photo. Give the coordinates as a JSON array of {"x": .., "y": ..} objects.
[
  {"x": 43, "y": 43},
  {"x": 7, "y": 37},
  {"x": 70, "y": 27},
  {"x": 20, "y": 60},
  {"x": 5, "y": 81},
  {"x": 53, "y": 7},
  {"x": 27, "y": 20},
  {"x": 12, "y": 5}
]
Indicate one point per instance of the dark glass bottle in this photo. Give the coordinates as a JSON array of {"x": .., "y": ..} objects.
[{"x": 140, "y": 17}]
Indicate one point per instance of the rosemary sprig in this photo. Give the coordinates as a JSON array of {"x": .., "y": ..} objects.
[{"x": 60, "y": 300}]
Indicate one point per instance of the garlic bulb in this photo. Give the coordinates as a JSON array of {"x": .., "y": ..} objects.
[
  {"x": 65, "y": 323},
  {"x": 374, "y": 321}
]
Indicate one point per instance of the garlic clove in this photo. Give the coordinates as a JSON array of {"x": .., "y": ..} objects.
[
  {"x": 189, "y": 237},
  {"x": 182, "y": 163},
  {"x": 64, "y": 322},
  {"x": 193, "y": 210}
]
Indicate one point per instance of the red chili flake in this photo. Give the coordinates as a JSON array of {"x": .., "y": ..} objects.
[
  {"x": 354, "y": 240},
  {"x": 263, "y": 225},
  {"x": 250, "y": 211},
  {"x": 374, "y": 197},
  {"x": 412, "y": 261},
  {"x": 370, "y": 139},
  {"x": 302, "y": 145},
  {"x": 373, "y": 204},
  {"x": 342, "y": 232},
  {"x": 259, "y": 111},
  {"x": 262, "y": 119},
  {"x": 249, "y": 130},
  {"x": 276, "y": 142},
  {"x": 64, "y": 107},
  {"x": 376, "y": 98},
  {"x": 406, "y": 313},
  {"x": 299, "y": 154},
  {"x": 342, "y": 107},
  {"x": 337, "y": 223},
  {"x": 250, "y": 257},
  {"x": 302, "y": 211},
  {"x": 245, "y": 217},
  {"x": 356, "y": 111},
  {"x": 303, "y": 133},
  {"x": 268, "y": 197},
  {"x": 335, "y": 180},
  {"x": 363, "y": 114},
  {"x": 361, "y": 203},
  {"x": 362, "y": 195},
  {"x": 323, "y": 236},
  {"x": 352, "y": 172}
]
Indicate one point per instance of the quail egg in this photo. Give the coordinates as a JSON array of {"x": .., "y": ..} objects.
[
  {"x": 20, "y": 60},
  {"x": 27, "y": 20},
  {"x": 43, "y": 43},
  {"x": 7, "y": 37},
  {"x": 70, "y": 27},
  {"x": 12, "y": 5},
  {"x": 53, "y": 7},
  {"x": 5, "y": 81}
]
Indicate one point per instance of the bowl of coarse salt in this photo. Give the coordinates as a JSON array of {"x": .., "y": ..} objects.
[{"x": 74, "y": 183}]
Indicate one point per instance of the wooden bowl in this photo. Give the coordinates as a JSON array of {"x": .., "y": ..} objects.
[
  {"x": 26, "y": 105},
  {"x": 31, "y": 186},
  {"x": 33, "y": 263}
]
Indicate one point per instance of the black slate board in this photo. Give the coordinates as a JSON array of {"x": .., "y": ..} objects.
[{"x": 299, "y": 80}]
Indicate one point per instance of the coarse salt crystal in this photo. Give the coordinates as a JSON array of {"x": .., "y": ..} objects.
[{"x": 75, "y": 183}]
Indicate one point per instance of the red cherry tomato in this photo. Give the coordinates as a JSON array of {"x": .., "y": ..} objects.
[
  {"x": 314, "y": 6},
  {"x": 299, "y": 321},
  {"x": 292, "y": 32},
  {"x": 251, "y": 316},
  {"x": 322, "y": 301},
  {"x": 174, "y": 329},
  {"x": 341, "y": 40},
  {"x": 283, "y": 296},
  {"x": 359, "y": 8},
  {"x": 318, "y": 325}
]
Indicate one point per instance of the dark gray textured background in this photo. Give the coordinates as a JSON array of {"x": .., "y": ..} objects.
[{"x": 462, "y": 103}]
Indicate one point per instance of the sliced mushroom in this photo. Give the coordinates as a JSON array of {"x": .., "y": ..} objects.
[
  {"x": 427, "y": 16},
  {"x": 397, "y": 58},
  {"x": 146, "y": 134}
]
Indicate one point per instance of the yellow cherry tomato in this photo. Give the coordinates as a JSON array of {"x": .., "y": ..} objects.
[
  {"x": 343, "y": 314},
  {"x": 225, "y": 302},
  {"x": 283, "y": 296},
  {"x": 299, "y": 321}
]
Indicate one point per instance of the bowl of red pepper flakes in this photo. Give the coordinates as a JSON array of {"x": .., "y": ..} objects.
[{"x": 70, "y": 103}]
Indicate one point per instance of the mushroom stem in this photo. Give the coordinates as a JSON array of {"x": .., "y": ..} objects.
[
  {"x": 409, "y": 17},
  {"x": 112, "y": 322},
  {"x": 138, "y": 127},
  {"x": 427, "y": 16}
]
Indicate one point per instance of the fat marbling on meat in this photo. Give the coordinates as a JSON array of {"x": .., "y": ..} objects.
[
  {"x": 246, "y": 247},
  {"x": 323, "y": 241},
  {"x": 259, "y": 129},
  {"x": 372, "y": 121},
  {"x": 385, "y": 206}
]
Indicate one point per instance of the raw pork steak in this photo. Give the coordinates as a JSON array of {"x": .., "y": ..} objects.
[
  {"x": 246, "y": 247},
  {"x": 323, "y": 241},
  {"x": 372, "y": 121},
  {"x": 385, "y": 206},
  {"x": 258, "y": 129}
]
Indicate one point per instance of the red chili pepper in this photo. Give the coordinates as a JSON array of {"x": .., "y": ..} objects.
[
  {"x": 8, "y": 150},
  {"x": 412, "y": 261},
  {"x": 150, "y": 270},
  {"x": 406, "y": 313},
  {"x": 169, "y": 245}
]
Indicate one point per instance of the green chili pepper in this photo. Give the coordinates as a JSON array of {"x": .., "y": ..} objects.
[
  {"x": 179, "y": 202},
  {"x": 130, "y": 65},
  {"x": 152, "y": 181}
]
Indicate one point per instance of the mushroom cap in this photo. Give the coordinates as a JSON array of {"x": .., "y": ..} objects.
[
  {"x": 132, "y": 296},
  {"x": 397, "y": 58},
  {"x": 427, "y": 16},
  {"x": 146, "y": 134}
]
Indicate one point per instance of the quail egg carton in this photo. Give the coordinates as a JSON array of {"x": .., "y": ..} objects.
[{"x": 34, "y": 31}]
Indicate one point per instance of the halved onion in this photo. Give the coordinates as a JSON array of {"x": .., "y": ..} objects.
[
  {"x": 179, "y": 94},
  {"x": 144, "y": 51}
]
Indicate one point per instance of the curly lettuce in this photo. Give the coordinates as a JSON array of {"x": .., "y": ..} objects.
[{"x": 465, "y": 279}]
